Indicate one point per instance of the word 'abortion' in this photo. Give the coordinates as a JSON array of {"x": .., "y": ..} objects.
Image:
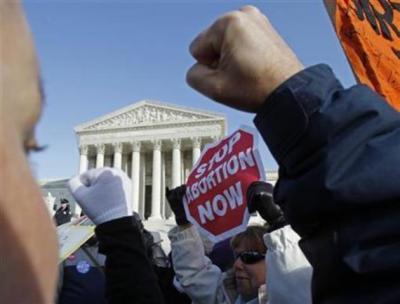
[{"x": 220, "y": 167}]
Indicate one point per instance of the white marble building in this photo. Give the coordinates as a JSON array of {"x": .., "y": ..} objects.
[{"x": 155, "y": 143}]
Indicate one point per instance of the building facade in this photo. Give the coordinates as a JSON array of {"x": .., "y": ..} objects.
[{"x": 155, "y": 143}]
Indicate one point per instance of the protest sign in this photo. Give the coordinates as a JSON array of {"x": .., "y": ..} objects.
[
  {"x": 215, "y": 198},
  {"x": 71, "y": 236},
  {"x": 369, "y": 31}
]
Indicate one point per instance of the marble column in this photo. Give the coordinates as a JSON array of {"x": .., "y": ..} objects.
[
  {"x": 168, "y": 183},
  {"x": 156, "y": 185},
  {"x": 142, "y": 195},
  {"x": 135, "y": 175},
  {"x": 163, "y": 199},
  {"x": 182, "y": 181},
  {"x": 83, "y": 161},
  {"x": 83, "y": 166},
  {"x": 100, "y": 155},
  {"x": 125, "y": 163},
  {"x": 176, "y": 163},
  {"x": 196, "y": 141},
  {"x": 118, "y": 155}
]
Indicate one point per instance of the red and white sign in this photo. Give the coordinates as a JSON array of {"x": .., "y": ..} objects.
[{"x": 215, "y": 198}]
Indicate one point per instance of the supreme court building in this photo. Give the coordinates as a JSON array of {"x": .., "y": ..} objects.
[{"x": 155, "y": 143}]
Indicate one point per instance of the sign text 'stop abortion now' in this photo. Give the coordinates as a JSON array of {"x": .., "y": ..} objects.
[{"x": 215, "y": 199}]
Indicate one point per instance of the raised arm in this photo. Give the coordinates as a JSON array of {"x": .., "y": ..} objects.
[
  {"x": 199, "y": 278},
  {"x": 104, "y": 195},
  {"x": 338, "y": 152}
]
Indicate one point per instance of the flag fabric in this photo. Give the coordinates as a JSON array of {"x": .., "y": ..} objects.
[{"x": 369, "y": 31}]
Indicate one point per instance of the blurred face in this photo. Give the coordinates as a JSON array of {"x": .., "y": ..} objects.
[
  {"x": 21, "y": 99},
  {"x": 27, "y": 268},
  {"x": 249, "y": 277}
]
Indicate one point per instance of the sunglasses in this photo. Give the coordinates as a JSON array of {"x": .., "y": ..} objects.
[{"x": 250, "y": 257}]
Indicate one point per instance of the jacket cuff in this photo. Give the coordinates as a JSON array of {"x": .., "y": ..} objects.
[
  {"x": 117, "y": 225},
  {"x": 285, "y": 115},
  {"x": 281, "y": 239},
  {"x": 178, "y": 234}
]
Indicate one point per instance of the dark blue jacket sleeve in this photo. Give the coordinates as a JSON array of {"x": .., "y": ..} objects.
[{"x": 338, "y": 152}]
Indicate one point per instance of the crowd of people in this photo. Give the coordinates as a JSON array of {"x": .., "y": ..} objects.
[{"x": 332, "y": 221}]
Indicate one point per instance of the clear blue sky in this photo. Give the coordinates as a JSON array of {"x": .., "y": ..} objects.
[{"x": 98, "y": 56}]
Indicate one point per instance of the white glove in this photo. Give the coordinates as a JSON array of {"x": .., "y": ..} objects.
[{"x": 104, "y": 194}]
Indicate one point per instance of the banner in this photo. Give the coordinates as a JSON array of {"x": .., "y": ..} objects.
[
  {"x": 71, "y": 236},
  {"x": 215, "y": 198},
  {"x": 369, "y": 31}
]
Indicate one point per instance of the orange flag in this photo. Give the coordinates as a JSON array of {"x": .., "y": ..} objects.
[{"x": 369, "y": 31}]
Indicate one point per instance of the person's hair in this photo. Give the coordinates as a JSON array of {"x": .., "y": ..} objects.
[
  {"x": 251, "y": 239},
  {"x": 64, "y": 201}
]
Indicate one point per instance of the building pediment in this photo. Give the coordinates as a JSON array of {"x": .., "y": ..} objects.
[{"x": 147, "y": 113}]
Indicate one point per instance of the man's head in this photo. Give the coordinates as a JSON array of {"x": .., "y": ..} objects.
[
  {"x": 249, "y": 266},
  {"x": 28, "y": 243},
  {"x": 64, "y": 203}
]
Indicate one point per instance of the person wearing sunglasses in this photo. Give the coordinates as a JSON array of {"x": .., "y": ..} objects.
[
  {"x": 249, "y": 269},
  {"x": 269, "y": 266},
  {"x": 337, "y": 149},
  {"x": 250, "y": 257},
  {"x": 289, "y": 274}
]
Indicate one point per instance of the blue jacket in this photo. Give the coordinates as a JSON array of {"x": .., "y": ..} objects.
[{"x": 338, "y": 152}]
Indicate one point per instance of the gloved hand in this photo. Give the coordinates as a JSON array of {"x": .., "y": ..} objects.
[
  {"x": 259, "y": 198},
  {"x": 104, "y": 194},
  {"x": 175, "y": 200}
]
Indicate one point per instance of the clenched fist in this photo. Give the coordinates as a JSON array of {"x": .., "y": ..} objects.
[
  {"x": 104, "y": 194},
  {"x": 241, "y": 60}
]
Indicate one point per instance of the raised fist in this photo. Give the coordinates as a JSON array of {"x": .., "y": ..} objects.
[
  {"x": 104, "y": 194},
  {"x": 241, "y": 60}
]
